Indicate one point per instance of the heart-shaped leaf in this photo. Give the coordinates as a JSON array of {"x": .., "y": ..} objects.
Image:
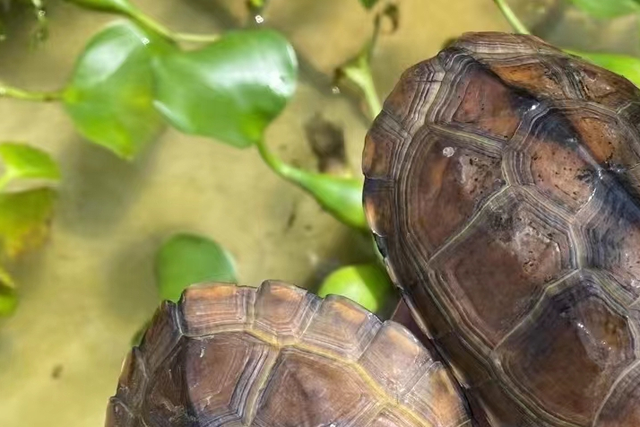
[
  {"x": 366, "y": 284},
  {"x": 23, "y": 161},
  {"x": 608, "y": 8},
  {"x": 110, "y": 97},
  {"x": 24, "y": 220},
  {"x": 229, "y": 90},
  {"x": 187, "y": 259}
]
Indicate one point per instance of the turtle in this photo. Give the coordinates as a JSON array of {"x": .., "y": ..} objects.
[
  {"x": 502, "y": 187},
  {"x": 278, "y": 355}
]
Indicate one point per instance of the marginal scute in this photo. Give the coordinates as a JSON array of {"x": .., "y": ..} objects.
[
  {"x": 380, "y": 146},
  {"x": 341, "y": 327},
  {"x": 378, "y": 206},
  {"x": 161, "y": 337},
  {"x": 599, "y": 85},
  {"x": 277, "y": 355},
  {"x": 119, "y": 415},
  {"x": 166, "y": 402},
  {"x": 284, "y": 310},
  {"x": 132, "y": 378},
  {"x": 496, "y": 44},
  {"x": 404, "y": 105},
  {"x": 209, "y": 309},
  {"x": 533, "y": 73},
  {"x": 630, "y": 115},
  {"x": 481, "y": 104}
]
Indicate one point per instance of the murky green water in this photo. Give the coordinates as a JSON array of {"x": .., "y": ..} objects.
[{"x": 91, "y": 287}]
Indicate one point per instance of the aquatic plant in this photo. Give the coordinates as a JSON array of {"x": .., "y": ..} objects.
[{"x": 135, "y": 77}]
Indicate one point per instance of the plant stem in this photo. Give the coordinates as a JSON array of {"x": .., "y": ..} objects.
[
  {"x": 147, "y": 22},
  {"x": 196, "y": 38},
  {"x": 511, "y": 17},
  {"x": 360, "y": 75},
  {"x": 289, "y": 173},
  {"x": 13, "y": 92},
  {"x": 153, "y": 25},
  {"x": 275, "y": 164}
]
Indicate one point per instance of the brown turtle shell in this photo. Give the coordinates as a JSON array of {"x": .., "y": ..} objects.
[
  {"x": 280, "y": 356},
  {"x": 503, "y": 188}
]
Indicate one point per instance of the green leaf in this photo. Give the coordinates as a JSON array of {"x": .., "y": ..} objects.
[
  {"x": 8, "y": 296},
  {"x": 368, "y": 3},
  {"x": 607, "y": 8},
  {"x": 626, "y": 66},
  {"x": 229, "y": 90},
  {"x": 110, "y": 96},
  {"x": 366, "y": 284},
  {"x": 257, "y": 4},
  {"x": 23, "y": 161},
  {"x": 187, "y": 259},
  {"x": 114, "y": 6},
  {"x": 24, "y": 220},
  {"x": 340, "y": 196}
]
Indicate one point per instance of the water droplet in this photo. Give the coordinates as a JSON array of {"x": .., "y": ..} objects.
[
  {"x": 448, "y": 151},
  {"x": 145, "y": 41},
  {"x": 259, "y": 19},
  {"x": 335, "y": 90}
]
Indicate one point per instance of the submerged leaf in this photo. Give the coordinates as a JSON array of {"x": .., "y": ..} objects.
[
  {"x": 110, "y": 97},
  {"x": 229, "y": 90},
  {"x": 608, "y": 8},
  {"x": 187, "y": 259},
  {"x": 23, "y": 161},
  {"x": 24, "y": 220},
  {"x": 366, "y": 284},
  {"x": 340, "y": 196}
]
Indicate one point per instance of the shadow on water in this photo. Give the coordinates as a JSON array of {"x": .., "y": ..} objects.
[
  {"x": 130, "y": 287},
  {"x": 99, "y": 187}
]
